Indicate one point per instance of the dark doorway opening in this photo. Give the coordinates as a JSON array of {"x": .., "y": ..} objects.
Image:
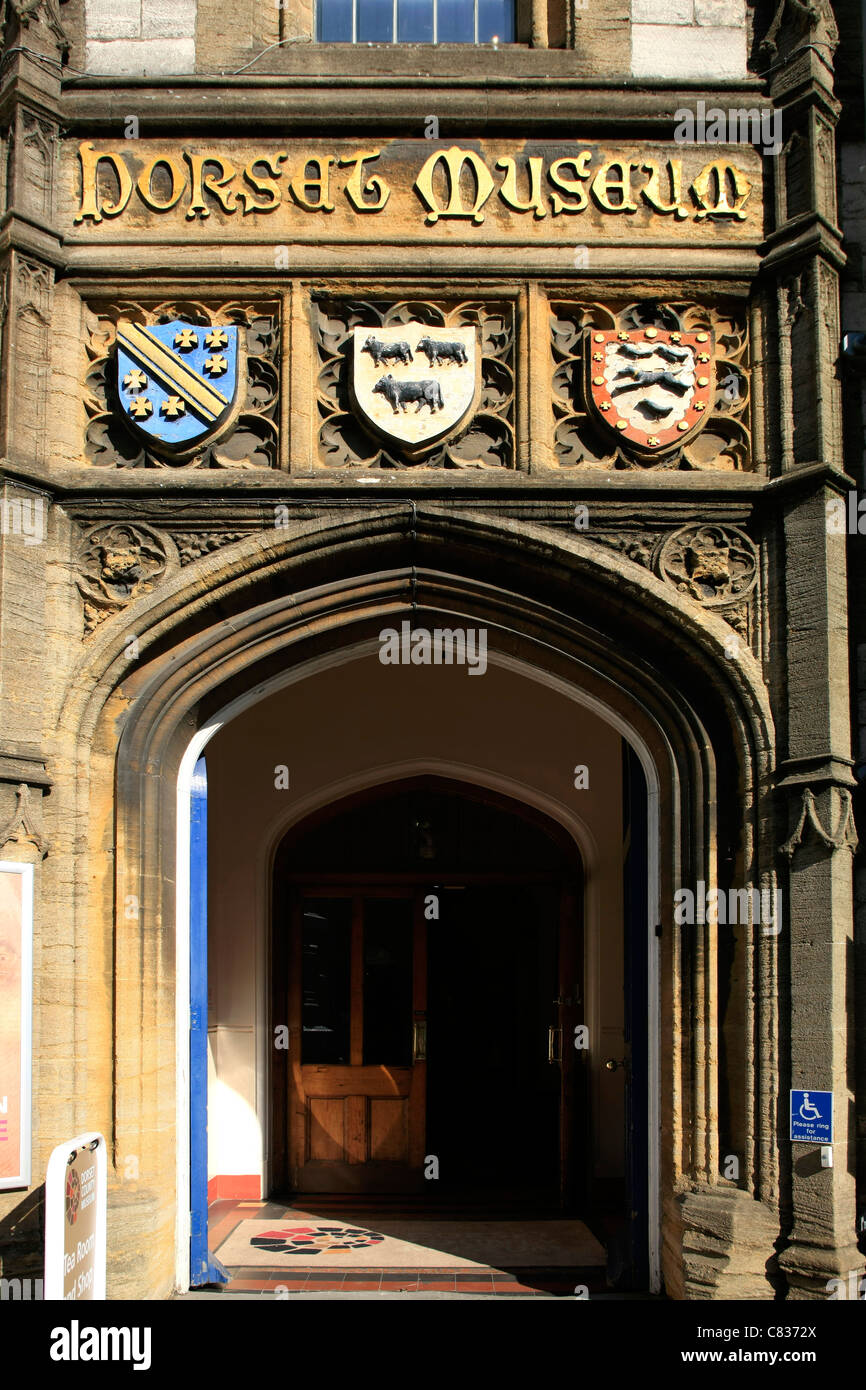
[
  {"x": 494, "y": 1093},
  {"x": 428, "y": 955}
]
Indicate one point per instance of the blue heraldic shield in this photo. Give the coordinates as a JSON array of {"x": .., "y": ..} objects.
[{"x": 176, "y": 382}]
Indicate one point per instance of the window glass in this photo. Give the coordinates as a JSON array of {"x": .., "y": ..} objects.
[
  {"x": 456, "y": 22},
  {"x": 375, "y": 21},
  {"x": 335, "y": 21},
  {"x": 495, "y": 17},
  {"x": 415, "y": 21},
  {"x": 418, "y": 21}
]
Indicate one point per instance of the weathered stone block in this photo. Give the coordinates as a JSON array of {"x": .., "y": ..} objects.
[
  {"x": 168, "y": 19},
  {"x": 664, "y": 50},
  {"x": 601, "y": 37},
  {"x": 113, "y": 19},
  {"x": 662, "y": 11},
  {"x": 728, "y": 1246},
  {"x": 721, "y": 12},
  {"x": 229, "y": 37},
  {"x": 136, "y": 57}
]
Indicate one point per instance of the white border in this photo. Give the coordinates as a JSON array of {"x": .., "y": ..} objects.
[
  {"x": 55, "y": 1216},
  {"x": 25, "y": 1083},
  {"x": 304, "y": 671}
]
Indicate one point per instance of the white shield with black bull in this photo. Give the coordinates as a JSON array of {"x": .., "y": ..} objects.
[{"x": 415, "y": 384}]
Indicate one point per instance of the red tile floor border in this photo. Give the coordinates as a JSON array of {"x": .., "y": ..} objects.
[{"x": 391, "y": 1281}]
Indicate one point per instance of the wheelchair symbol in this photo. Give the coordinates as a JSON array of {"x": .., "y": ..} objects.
[{"x": 808, "y": 1110}]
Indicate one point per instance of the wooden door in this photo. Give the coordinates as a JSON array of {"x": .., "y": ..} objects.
[{"x": 357, "y": 1052}]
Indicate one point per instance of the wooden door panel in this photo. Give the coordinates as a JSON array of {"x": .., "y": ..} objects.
[
  {"x": 325, "y": 1129},
  {"x": 365, "y": 1081},
  {"x": 355, "y": 1128},
  {"x": 389, "y": 1131}
]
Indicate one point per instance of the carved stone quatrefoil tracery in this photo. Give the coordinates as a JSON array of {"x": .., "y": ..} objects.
[
  {"x": 714, "y": 564},
  {"x": 717, "y": 565}
]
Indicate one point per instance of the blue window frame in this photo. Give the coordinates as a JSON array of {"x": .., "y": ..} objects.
[{"x": 415, "y": 21}]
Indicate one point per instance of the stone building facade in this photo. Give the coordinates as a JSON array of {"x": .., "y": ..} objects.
[{"x": 303, "y": 342}]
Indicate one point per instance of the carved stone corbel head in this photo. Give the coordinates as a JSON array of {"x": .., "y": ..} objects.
[
  {"x": 35, "y": 25},
  {"x": 797, "y": 25}
]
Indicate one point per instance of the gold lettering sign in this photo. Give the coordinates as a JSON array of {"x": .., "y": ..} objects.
[{"x": 537, "y": 193}]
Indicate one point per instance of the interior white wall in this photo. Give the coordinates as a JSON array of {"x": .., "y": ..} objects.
[{"x": 357, "y": 724}]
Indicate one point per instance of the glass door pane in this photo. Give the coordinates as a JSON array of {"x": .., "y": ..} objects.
[
  {"x": 326, "y": 996},
  {"x": 388, "y": 981}
]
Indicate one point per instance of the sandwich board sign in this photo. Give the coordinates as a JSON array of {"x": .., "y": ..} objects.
[
  {"x": 812, "y": 1116},
  {"x": 76, "y": 1190}
]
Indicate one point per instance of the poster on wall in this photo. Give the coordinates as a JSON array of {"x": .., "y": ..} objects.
[{"x": 16, "y": 978}]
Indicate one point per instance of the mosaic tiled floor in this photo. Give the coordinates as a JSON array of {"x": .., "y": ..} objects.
[{"x": 296, "y": 1250}]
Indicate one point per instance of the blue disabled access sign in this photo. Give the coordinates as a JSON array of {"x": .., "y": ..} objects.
[{"x": 812, "y": 1116}]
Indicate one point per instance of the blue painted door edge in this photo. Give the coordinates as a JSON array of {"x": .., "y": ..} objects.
[{"x": 204, "y": 1267}]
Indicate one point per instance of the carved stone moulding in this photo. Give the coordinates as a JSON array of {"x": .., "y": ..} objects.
[
  {"x": 252, "y": 438},
  {"x": 650, "y": 385},
  {"x": 35, "y": 25},
  {"x": 797, "y": 25},
  {"x": 485, "y": 437},
  {"x": 32, "y": 163}
]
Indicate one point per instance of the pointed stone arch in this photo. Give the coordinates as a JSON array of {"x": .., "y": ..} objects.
[{"x": 574, "y": 612}]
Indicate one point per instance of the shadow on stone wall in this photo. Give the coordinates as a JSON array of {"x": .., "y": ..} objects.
[{"x": 22, "y": 1246}]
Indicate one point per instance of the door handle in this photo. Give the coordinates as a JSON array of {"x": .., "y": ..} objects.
[
  {"x": 419, "y": 1040},
  {"x": 611, "y": 1064},
  {"x": 554, "y": 1045}
]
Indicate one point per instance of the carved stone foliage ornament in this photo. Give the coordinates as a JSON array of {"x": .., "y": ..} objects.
[
  {"x": 177, "y": 385},
  {"x": 192, "y": 545},
  {"x": 117, "y": 564},
  {"x": 650, "y": 385},
  {"x": 415, "y": 384}
]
